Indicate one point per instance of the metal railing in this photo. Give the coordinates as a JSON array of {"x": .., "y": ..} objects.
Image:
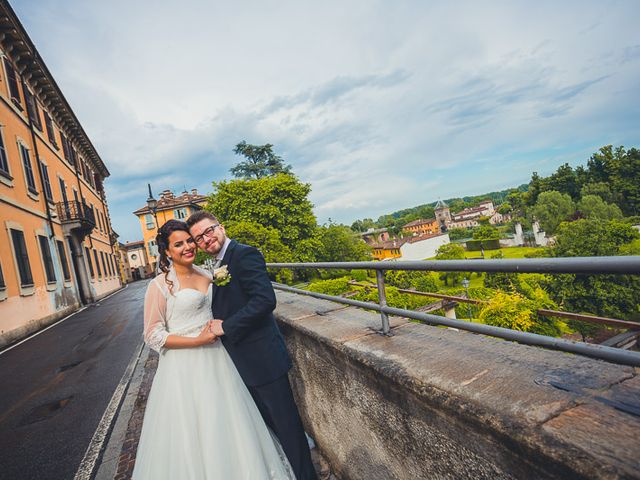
[
  {"x": 629, "y": 265},
  {"x": 71, "y": 211}
]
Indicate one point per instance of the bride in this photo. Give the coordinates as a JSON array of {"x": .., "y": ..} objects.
[{"x": 200, "y": 421}]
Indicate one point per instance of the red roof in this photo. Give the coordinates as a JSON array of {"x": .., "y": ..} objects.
[
  {"x": 169, "y": 201},
  {"x": 420, "y": 238},
  {"x": 420, "y": 221},
  {"x": 391, "y": 244}
]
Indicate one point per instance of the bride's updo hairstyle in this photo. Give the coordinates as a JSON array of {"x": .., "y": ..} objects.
[{"x": 162, "y": 239}]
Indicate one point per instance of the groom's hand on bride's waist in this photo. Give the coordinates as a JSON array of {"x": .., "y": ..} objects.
[{"x": 216, "y": 327}]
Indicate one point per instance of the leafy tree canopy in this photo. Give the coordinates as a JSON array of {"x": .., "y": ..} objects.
[
  {"x": 551, "y": 209},
  {"x": 616, "y": 296},
  {"x": 339, "y": 244},
  {"x": 485, "y": 232},
  {"x": 279, "y": 202},
  {"x": 260, "y": 161},
  {"x": 594, "y": 207}
]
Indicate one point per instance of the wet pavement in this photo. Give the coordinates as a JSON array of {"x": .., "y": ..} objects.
[{"x": 57, "y": 385}]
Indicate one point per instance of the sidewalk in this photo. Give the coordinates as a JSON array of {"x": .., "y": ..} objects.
[{"x": 118, "y": 457}]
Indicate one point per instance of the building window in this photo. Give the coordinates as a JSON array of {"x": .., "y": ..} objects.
[
  {"x": 153, "y": 248},
  {"x": 62, "y": 253},
  {"x": 95, "y": 256},
  {"x": 28, "y": 169},
  {"x": 48, "y": 260},
  {"x": 2, "y": 284},
  {"x": 12, "y": 80},
  {"x": 65, "y": 147},
  {"x": 88, "y": 255},
  {"x": 150, "y": 223},
  {"x": 50, "y": 130},
  {"x": 4, "y": 163},
  {"x": 104, "y": 264},
  {"x": 47, "y": 184},
  {"x": 115, "y": 265},
  {"x": 22, "y": 257},
  {"x": 32, "y": 108},
  {"x": 180, "y": 213},
  {"x": 109, "y": 266}
]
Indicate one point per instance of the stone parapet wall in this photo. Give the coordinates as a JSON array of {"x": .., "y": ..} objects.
[{"x": 432, "y": 402}]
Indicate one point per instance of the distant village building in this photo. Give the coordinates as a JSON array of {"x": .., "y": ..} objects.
[
  {"x": 416, "y": 247},
  {"x": 422, "y": 226},
  {"x": 443, "y": 215},
  {"x": 168, "y": 207},
  {"x": 375, "y": 236},
  {"x": 56, "y": 241},
  {"x": 387, "y": 250},
  {"x": 469, "y": 217},
  {"x": 139, "y": 265},
  {"x": 423, "y": 246},
  {"x": 126, "y": 275}
]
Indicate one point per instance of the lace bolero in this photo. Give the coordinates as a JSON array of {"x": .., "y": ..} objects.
[{"x": 155, "y": 307}]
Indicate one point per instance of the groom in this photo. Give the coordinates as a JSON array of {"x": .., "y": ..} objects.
[{"x": 242, "y": 310}]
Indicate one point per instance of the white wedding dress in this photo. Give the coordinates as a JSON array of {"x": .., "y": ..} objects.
[{"x": 200, "y": 421}]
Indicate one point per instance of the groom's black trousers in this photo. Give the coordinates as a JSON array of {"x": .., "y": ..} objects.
[{"x": 280, "y": 413}]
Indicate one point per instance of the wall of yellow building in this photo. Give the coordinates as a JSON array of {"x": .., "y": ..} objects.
[
  {"x": 151, "y": 233},
  {"x": 26, "y": 309},
  {"x": 384, "y": 253},
  {"x": 425, "y": 228}
]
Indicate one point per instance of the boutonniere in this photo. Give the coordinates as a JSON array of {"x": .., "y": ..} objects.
[{"x": 221, "y": 276}]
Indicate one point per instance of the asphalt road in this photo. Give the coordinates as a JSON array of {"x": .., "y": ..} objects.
[{"x": 55, "y": 387}]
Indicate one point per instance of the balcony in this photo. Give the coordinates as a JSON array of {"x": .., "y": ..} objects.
[{"x": 76, "y": 217}]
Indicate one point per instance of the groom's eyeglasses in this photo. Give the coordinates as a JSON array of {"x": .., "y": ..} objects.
[{"x": 208, "y": 232}]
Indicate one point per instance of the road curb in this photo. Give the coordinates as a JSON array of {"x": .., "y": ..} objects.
[{"x": 95, "y": 455}]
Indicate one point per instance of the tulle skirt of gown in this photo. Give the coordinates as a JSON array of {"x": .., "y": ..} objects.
[{"x": 201, "y": 423}]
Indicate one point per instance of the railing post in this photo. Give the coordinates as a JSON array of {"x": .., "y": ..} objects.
[{"x": 382, "y": 300}]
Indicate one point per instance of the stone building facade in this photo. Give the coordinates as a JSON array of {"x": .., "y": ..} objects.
[{"x": 56, "y": 240}]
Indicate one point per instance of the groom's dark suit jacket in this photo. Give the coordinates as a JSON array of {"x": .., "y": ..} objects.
[{"x": 246, "y": 305}]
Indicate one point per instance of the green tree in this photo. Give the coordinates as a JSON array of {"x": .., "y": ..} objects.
[
  {"x": 517, "y": 312},
  {"x": 459, "y": 233},
  {"x": 260, "y": 161},
  {"x": 267, "y": 240},
  {"x": 590, "y": 238},
  {"x": 450, "y": 251},
  {"x": 551, "y": 209},
  {"x": 279, "y": 202},
  {"x": 594, "y": 208},
  {"x": 616, "y": 296},
  {"x": 600, "y": 189},
  {"x": 505, "y": 208},
  {"x": 626, "y": 180},
  {"x": 564, "y": 180},
  {"x": 334, "y": 286},
  {"x": 485, "y": 232},
  {"x": 507, "y": 282},
  {"x": 339, "y": 244},
  {"x": 363, "y": 225},
  {"x": 620, "y": 169},
  {"x": 407, "y": 279},
  {"x": 535, "y": 189}
]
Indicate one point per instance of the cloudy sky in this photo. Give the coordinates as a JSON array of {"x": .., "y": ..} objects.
[{"x": 380, "y": 105}]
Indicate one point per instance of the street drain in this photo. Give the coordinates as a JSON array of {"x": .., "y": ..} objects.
[{"x": 45, "y": 411}]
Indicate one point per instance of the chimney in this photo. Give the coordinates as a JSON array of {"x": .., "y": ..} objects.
[{"x": 194, "y": 191}]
